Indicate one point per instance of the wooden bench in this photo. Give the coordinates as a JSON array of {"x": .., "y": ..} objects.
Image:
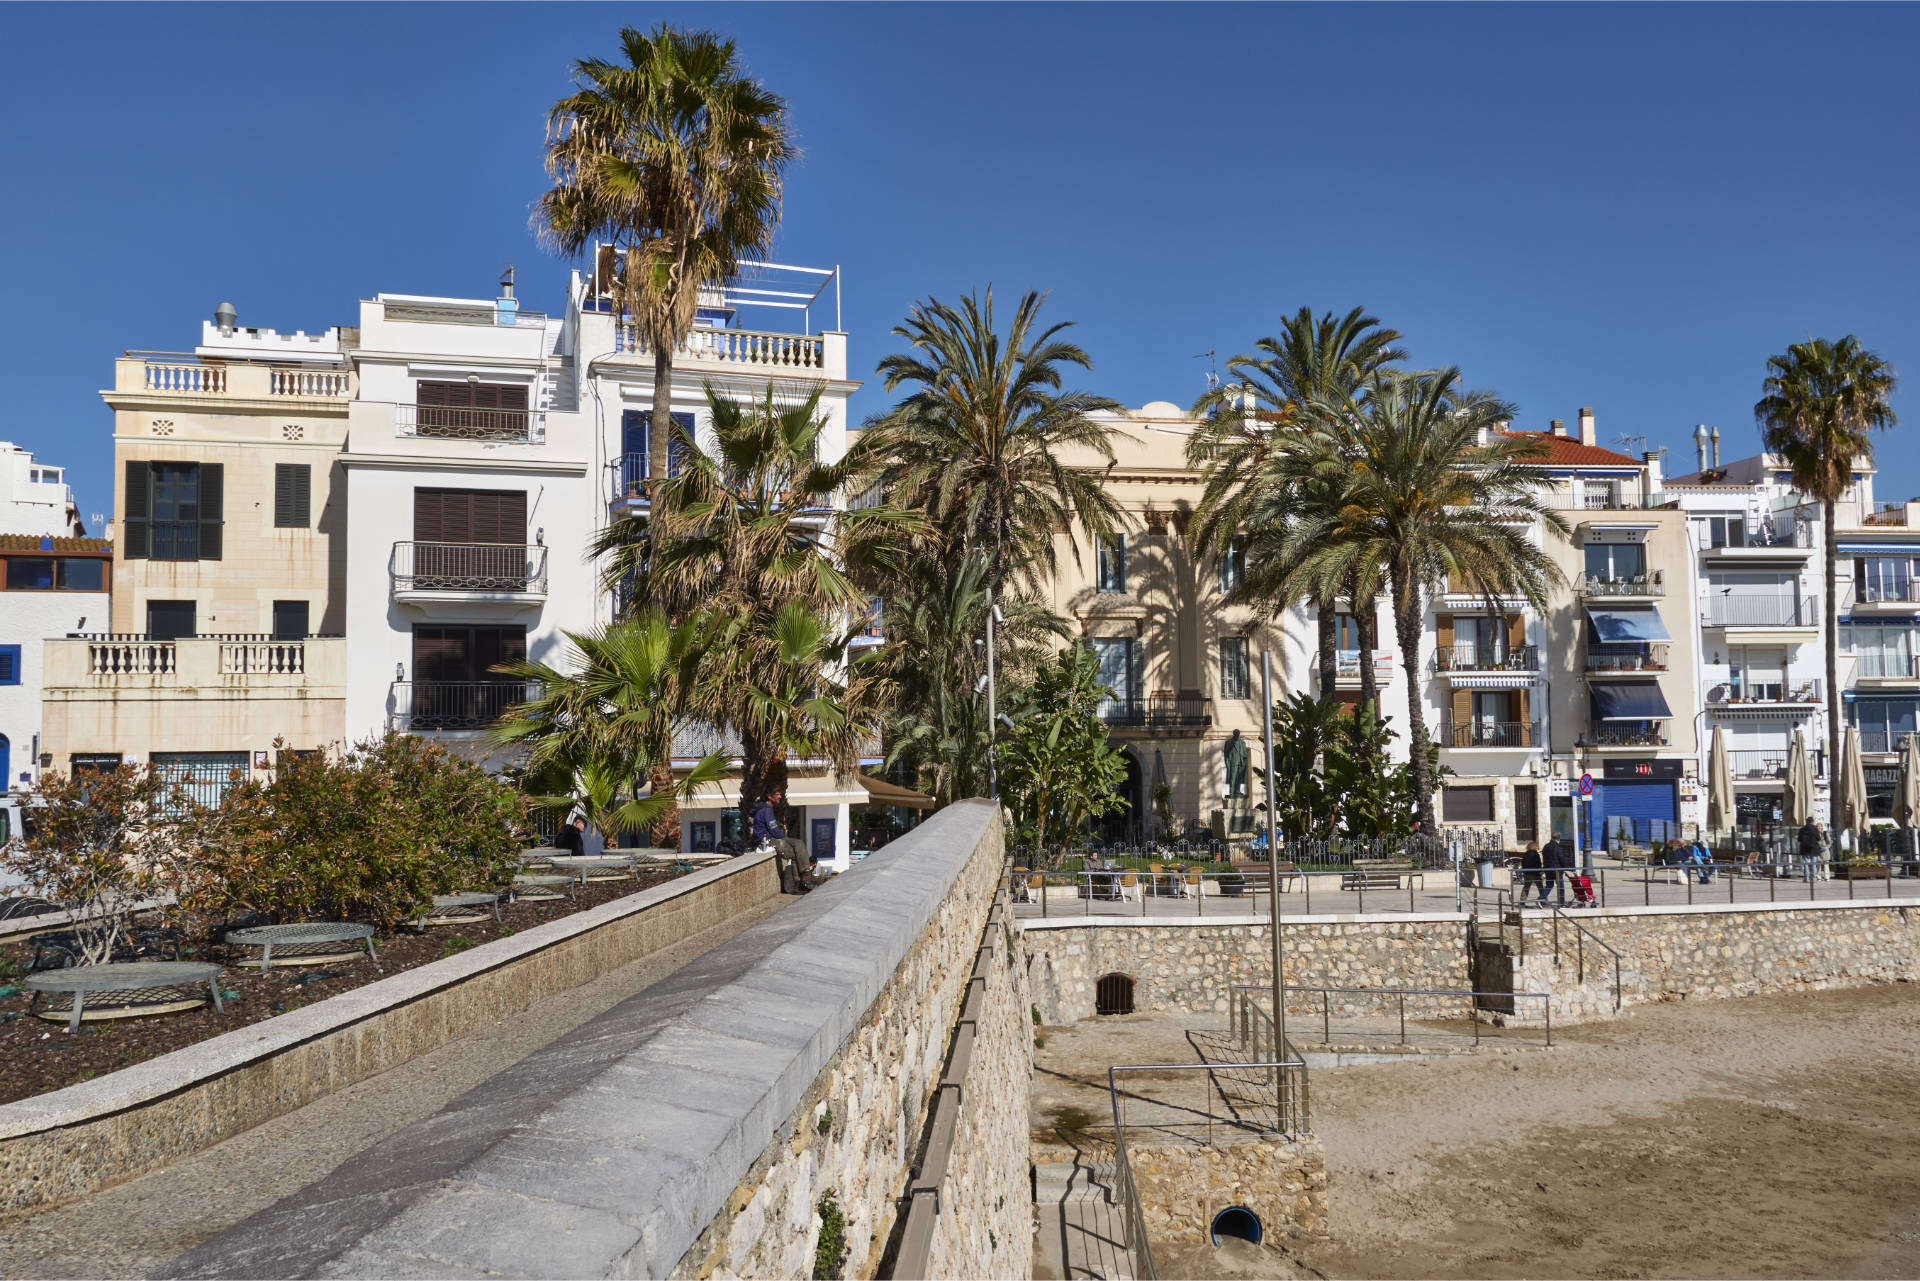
[
  {"x": 1254, "y": 878},
  {"x": 1378, "y": 874}
]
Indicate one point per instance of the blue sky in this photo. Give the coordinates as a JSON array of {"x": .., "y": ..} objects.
[{"x": 1625, "y": 206}]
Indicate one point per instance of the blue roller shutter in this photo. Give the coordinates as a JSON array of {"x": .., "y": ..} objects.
[{"x": 1650, "y": 806}]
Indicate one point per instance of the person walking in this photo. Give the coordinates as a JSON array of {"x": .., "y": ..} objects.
[
  {"x": 1810, "y": 850},
  {"x": 769, "y": 830},
  {"x": 1530, "y": 865},
  {"x": 1555, "y": 859}
]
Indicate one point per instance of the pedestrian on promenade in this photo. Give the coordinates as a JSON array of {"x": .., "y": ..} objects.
[
  {"x": 1810, "y": 850},
  {"x": 1530, "y": 865},
  {"x": 1702, "y": 859},
  {"x": 1555, "y": 860},
  {"x": 572, "y": 838},
  {"x": 769, "y": 830}
]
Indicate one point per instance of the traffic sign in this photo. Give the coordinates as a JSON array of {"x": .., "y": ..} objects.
[{"x": 1586, "y": 785}]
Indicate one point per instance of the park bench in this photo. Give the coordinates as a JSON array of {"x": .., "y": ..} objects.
[
  {"x": 1253, "y": 878},
  {"x": 1378, "y": 874}
]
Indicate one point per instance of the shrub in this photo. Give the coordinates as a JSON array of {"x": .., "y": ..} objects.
[
  {"x": 369, "y": 836},
  {"x": 101, "y": 844}
]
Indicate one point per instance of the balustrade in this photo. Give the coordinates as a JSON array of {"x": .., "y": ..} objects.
[
  {"x": 311, "y": 382},
  {"x": 130, "y": 658},
  {"x": 733, "y": 347},
  {"x": 206, "y": 380}
]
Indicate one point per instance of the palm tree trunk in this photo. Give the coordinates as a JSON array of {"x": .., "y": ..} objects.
[
  {"x": 1328, "y": 667},
  {"x": 1832, "y": 621},
  {"x": 661, "y": 432},
  {"x": 664, "y": 831},
  {"x": 1406, "y": 624}
]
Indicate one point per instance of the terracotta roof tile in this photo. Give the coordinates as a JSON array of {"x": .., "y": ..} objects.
[
  {"x": 1567, "y": 449},
  {"x": 31, "y": 543}
]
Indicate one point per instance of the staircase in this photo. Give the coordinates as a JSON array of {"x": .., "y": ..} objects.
[{"x": 1082, "y": 1233}]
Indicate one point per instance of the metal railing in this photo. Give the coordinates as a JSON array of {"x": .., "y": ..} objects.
[
  {"x": 1247, "y": 1099},
  {"x": 1171, "y": 711},
  {"x": 1486, "y": 658},
  {"x": 1883, "y": 741},
  {"x": 1127, "y": 1192},
  {"x": 1617, "y": 657},
  {"x": 1581, "y": 936},
  {"x": 1251, "y": 1025},
  {"x": 1130, "y": 891},
  {"x": 1771, "y": 762},
  {"x": 745, "y": 347},
  {"x": 1639, "y": 585},
  {"x": 1879, "y": 664},
  {"x": 1754, "y": 691},
  {"x": 453, "y": 422},
  {"x": 1617, "y": 499},
  {"x": 479, "y": 568},
  {"x": 1895, "y": 593},
  {"x": 455, "y": 705},
  {"x": 1611, "y": 734},
  {"x": 1385, "y": 1009},
  {"x": 1736, "y": 610},
  {"x": 1479, "y": 733}
]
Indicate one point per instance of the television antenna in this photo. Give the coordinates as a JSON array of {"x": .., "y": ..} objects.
[{"x": 1213, "y": 369}]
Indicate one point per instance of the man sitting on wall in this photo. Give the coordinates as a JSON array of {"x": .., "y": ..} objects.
[{"x": 795, "y": 874}]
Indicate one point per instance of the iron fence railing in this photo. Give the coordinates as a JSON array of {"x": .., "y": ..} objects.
[
  {"x": 1733, "y": 609},
  {"x": 1884, "y": 742},
  {"x": 1486, "y": 658},
  {"x": 479, "y": 568},
  {"x": 1395, "y": 1015},
  {"x": 1638, "y": 585},
  {"x": 1483, "y": 733},
  {"x": 1652, "y": 733},
  {"x": 1170, "y": 711},
  {"x": 1771, "y": 762},
  {"x": 422, "y": 706},
  {"x": 457, "y": 422},
  {"x": 1626, "y": 658}
]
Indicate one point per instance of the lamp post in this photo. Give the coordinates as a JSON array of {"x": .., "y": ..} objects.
[
  {"x": 1273, "y": 895},
  {"x": 993, "y": 778}
]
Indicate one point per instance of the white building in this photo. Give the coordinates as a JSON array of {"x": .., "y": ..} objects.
[{"x": 53, "y": 580}]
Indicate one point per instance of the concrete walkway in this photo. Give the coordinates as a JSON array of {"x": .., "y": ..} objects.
[{"x": 133, "y": 1229}]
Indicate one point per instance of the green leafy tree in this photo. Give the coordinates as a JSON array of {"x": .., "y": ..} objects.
[
  {"x": 1304, "y": 729},
  {"x": 601, "y": 731},
  {"x": 1821, "y": 401},
  {"x": 101, "y": 844},
  {"x": 1315, "y": 365},
  {"x": 676, "y": 159},
  {"x": 369, "y": 835},
  {"x": 1056, "y": 768}
]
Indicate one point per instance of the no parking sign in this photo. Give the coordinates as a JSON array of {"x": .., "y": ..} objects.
[{"x": 1586, "y": 785}]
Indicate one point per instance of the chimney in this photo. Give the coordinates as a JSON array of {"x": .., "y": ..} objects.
[
  {"x": 224, "y": 317},
  {"x": 1700, "y": 446},
  {"x": 506, "y": 309},
  {"x": 1716, "y": 448},
  {"x": 1586, "y": 426},
  {"x": 1557, "y": 427},
  {"x": 1655, "y": 481}
]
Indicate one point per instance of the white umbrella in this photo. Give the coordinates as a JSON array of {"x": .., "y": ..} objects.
[
  {"x": 1906, "y": 801},
  {"x": 1853, "y": 784},
  {"x": 1719, "y": 784},
  {"x": 1797, "y": 807}
]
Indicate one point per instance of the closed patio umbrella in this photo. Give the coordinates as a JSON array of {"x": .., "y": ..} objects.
[
  {"x": 1853, "y": 784},
  {"x": 1906, "y": 801},
  {"x": 1719, "y": 784},
  {"x": 1797, "y": 806}
]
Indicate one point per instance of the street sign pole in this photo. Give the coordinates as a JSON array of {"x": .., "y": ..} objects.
[{"x": 1273, "y": 896}]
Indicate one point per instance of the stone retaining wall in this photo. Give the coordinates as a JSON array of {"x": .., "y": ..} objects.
[
  {"x": 67, "y": 1143},
  {"x": 1183, "y": 1186},
  {"x": 1189, "y": 965}
]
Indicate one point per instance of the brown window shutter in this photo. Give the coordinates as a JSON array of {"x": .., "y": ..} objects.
[
  {"x": 1516, "y": 631},
  {"x": 430, "y": 516},
  {"x": 1462, "y": 706},
  {"x": 136, "y": 509},
  {"x": 1521, "y": 698},
  {"x": 1443, "y": 631}
]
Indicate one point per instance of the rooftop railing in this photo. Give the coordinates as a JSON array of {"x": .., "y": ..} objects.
[
  {"x": 743, "y": 348},
  {"x": 177, "y": 373}
]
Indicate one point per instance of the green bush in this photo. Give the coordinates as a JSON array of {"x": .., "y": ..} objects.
[{"x": 370, "y": 835}]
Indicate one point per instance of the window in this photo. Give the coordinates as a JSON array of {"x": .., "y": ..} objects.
[
  {"x": 1233, "y": 667},
  {"x": 205, "y": 777},
  {"x": 170, "y": 619},
  {"x": 29, "y": 575},
  {"x": 454, "y": 684},
  {"x": 172, "y": 511},
  {"x": 83, "y": 575},
  {"x": 1467, "y": 805},
  {"x": 1722, "y": 531},
  {"x": 290, "y": 620},
  {"x": 1884, "y": 650},
  {"x": 292, "y": 495},
  {"x": 1616, "y": 562},
  {"x": 1883, "y": 578},
  {"x": 1885, "y": 723},
  {"x": 46, "y": 573},
  {"x": 635, "y": 434},
  {"x": 1118, "y": 658},
  {"x": 1233, "y": 564},
  {"x": 9, "y": 664},
  {"x": 1111, "y": 565},
  {"x": 1758, "y": 675}
]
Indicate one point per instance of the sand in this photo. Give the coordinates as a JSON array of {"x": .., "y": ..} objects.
[{"x": 1767, "y": 1137}]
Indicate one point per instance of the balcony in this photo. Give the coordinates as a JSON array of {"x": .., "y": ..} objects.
[
  {"x": 182, "y": 374},
  {"x": 803, "y": 355},
  {"x": 1746, "y": 612},
  {"x": 1893, "y": 514},
  {"x": 1346, "y": 668},
  {"x": 1762, "y": 543},
  {"x": 493, "y": 426},
  {"x": 1870, "y": 597},
  {"x": 506, "y": 573},
  {"x": 1523, "y": 735},
  {"x": 1641, "y": 734},
  {"x": 1758, "y": 695},
  {"x": 1626, "y": 660},
  {"x": 1884, "y": 665},
  {"x": 419, "y": 707},
  {"x": 1639, "y": 587},
  {"x": 1469, "y": 659},
  {"x": 1160, "y": 712},
  {"x": 1882, "y": 742},
  {"x": 115, "y": 665},
  {"x": 1759, "y": 764}
]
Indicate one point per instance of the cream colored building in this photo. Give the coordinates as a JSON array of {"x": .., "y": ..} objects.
[{"x": 229, "y": 562}]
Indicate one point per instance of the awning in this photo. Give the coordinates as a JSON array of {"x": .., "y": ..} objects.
[
  {"x": 1629, "y": 701},
  {"x": 1613, "y": 626},
  {"x": 881, "y": 792}
]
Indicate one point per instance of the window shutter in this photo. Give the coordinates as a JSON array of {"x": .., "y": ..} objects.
[
  {"x": 211, "y": 487},
  {"x": 292, "y": 504},
  {"x": 136, "y": 510}
]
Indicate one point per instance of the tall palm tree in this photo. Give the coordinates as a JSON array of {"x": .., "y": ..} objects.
[
  {"x": 1421, "y": 499},
  {"x": 984, "y": 444},
  {"x": 676, "y": 160},
  {"x": 601, "y": 729},
  {"x": 1320, "y": 361},
  {"x": 1820, "y": 401},
  {"x": 755, "y": 541},
  {"x": 935, "y": 659}
]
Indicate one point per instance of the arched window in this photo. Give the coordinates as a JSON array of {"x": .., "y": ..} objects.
[{"x": 1113, "y": 995}]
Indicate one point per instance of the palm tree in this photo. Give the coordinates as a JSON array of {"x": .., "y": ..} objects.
[
  {"x": 602, "y": 727},
  {"x": 1322, "y": 361},
  {"x": 757, "y": 543},
  {"x": 1821, "y": 399},
  {"x": 1421, "y": 499},
  {"x": 985, "y": 445},
  {"x": 676, "y": 159},
  {"x": 935, "y": 659}
]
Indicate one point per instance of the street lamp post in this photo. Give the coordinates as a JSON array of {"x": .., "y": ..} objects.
[{"x": 1273, "y": 895}]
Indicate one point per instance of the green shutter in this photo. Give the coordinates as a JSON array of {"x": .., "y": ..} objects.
[
  {"x": 211, "y": 486},
  {"x": 136, "y": 510},
  {"x": 292, "y": 495}
]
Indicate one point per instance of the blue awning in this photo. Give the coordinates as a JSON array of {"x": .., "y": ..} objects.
[
  {"x": 1629, "y": 625},
  {"x": 1629, "y": 701}
]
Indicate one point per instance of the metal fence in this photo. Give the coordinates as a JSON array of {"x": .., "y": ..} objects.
[{"x": 1391, "y": 1015}]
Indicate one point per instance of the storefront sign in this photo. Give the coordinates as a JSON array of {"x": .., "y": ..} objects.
[{"x": 1642, "y": 769}]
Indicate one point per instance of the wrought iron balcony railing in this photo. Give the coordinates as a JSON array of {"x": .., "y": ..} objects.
[
  {"x": 481, "y": 569},
  {"x": 420, "y": 706},
  {"x": 1486, "y": 658},
  {"x": 1160, "y": 711},
  {"x": 1485, "y": 733}
]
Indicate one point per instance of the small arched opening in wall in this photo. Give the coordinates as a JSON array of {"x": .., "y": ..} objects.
[
  {"x": 1113, "y": 994},
  {"x": 1238, "y": 1223}
]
